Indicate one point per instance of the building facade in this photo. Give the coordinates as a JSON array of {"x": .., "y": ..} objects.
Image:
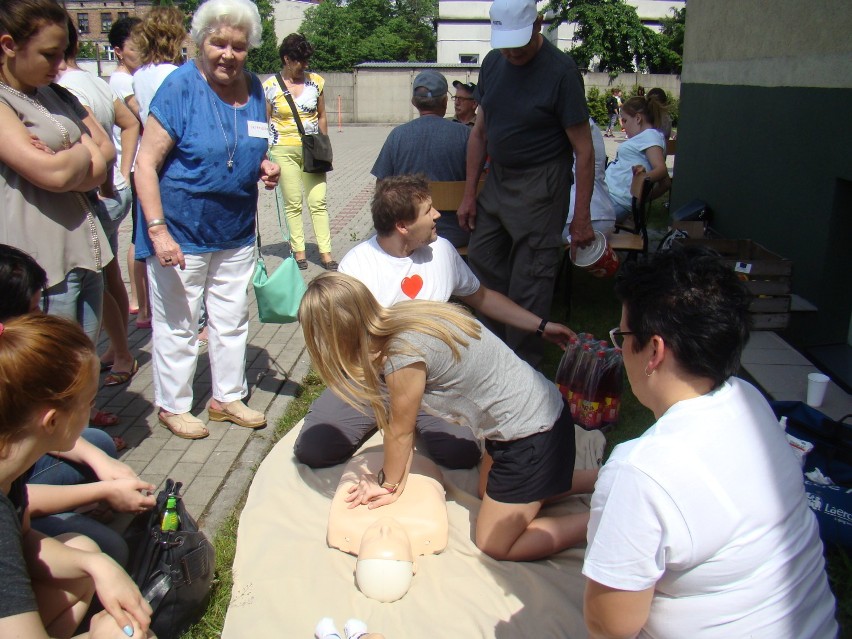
[
  {"x": 464, "y": 29},
  {"x": 94, "y": 19}
]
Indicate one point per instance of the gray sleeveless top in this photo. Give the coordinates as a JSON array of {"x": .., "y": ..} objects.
[{"x": 59, "y": 230}]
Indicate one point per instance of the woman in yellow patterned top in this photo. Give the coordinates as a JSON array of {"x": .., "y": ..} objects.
[{"x": 286, "y": 144}]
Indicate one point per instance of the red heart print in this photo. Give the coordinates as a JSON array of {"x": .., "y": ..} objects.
[{"x": 411, "y": 286}]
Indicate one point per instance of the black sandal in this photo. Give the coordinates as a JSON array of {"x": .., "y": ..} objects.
[
  {"x": 302, "y": 264},
  {"x": 331, "y": 265}
]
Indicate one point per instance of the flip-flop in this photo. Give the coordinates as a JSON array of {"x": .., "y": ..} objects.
[
  {"x": 104, "y": 419},
  {"x": 302, "y": 264},
  {"x": 121, "y": 377},
  {"x": 133, "y": 311},
  {"x": 105, "y": 366},
  {"x": 143, "y": 323},
  {"x": 119, "y": 442}
]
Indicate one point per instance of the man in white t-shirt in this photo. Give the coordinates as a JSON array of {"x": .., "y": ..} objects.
[{"x": 407, "y": 260}]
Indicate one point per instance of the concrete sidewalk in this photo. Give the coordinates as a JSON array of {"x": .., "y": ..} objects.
[{"x": 217, "y": 471}]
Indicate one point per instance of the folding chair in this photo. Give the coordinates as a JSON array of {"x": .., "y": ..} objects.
[
  {"x": 634, "y": 240},
  {"x": 446, "y": 197}
]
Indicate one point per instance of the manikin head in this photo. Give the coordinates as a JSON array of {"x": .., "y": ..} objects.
[{"x": 385, "y": 564}]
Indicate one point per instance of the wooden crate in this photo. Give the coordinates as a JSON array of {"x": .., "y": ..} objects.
[{"x": 766, "y": 275}]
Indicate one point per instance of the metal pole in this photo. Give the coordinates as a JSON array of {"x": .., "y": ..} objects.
[{"x": 339, "y": 115}]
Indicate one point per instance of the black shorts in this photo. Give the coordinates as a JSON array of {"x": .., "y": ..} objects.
[{"x": 533, "y": 468}]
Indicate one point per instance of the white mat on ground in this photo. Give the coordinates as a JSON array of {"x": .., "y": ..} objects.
[{"x": 286, "y": 578}]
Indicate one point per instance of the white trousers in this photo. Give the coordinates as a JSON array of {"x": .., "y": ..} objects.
[{"x": 222, "y": 279}]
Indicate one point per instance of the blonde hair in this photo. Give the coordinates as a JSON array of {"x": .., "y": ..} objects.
[
  {"x": 159, "y": 37},
  {"x": 348, "y": 335}
]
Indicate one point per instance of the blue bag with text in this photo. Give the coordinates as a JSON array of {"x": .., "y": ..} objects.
[{"x": 832, "y": 455}]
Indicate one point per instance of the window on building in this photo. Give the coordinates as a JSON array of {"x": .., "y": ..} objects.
[
  {"x": 109, "y": 54},
  {"x": 469, "y": 58},
  {"x": 83, "y": 22},
  {"x": 106, "y": 22},
  {"x": 123, "y": 15}
]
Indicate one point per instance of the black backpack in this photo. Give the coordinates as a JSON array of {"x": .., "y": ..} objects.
[
  {"x": 174, "y": 570},
  {"x": 611, "y": 104}
]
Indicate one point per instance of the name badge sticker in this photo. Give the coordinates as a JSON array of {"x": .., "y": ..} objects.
[{"x": 258, "y": 129}]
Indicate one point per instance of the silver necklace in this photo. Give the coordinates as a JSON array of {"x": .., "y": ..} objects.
[{"x": 225, "y": 135}]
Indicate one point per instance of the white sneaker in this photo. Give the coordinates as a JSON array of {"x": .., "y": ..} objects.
[
  {"x": 325, "y": 629},
  {"x": 354, "y": 628}
]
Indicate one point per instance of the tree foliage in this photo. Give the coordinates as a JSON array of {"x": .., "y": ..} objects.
[
  {"x": 263, "y": 59},
  {"x": 673, "y": 28},
  {"x": 610, "y": 37},
  {"x": 347, "y": 33},
  {"x": 87, "y": 50}
]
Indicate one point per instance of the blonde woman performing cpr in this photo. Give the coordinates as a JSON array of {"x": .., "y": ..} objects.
[{"x": 438, "y": 355}]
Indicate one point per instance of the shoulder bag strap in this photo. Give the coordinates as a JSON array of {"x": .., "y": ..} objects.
[
  {"x": 285, "y": 229},
  {"x": 291, "y": 103}
]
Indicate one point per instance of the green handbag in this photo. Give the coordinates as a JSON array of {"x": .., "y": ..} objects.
[{"x": 278, "y": 295}]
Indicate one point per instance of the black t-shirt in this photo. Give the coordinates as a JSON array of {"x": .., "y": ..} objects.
[
  {"x": 527, "y": 108},
  {"x": 16, "y": 592},
  {"x": 611, "y": 105}
]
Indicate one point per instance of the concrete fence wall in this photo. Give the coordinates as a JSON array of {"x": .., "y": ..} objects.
[{"x": 383, "y": 95}]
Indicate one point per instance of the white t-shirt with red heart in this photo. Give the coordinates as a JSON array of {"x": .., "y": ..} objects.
[{"x": 433, "y": 272}]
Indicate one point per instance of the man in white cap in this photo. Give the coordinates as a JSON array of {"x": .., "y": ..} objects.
[
  {"x": 532, "y": 116},
  {"x": 430, "y": 145}
]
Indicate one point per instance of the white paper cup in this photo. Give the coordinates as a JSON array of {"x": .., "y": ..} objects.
[{"x": 817, "y": 385}]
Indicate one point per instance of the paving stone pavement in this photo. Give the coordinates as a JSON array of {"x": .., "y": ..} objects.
[{"x": 217, "y": 471}]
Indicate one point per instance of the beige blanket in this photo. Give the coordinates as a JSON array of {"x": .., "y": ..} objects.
[{"x": 286, "y": 578}]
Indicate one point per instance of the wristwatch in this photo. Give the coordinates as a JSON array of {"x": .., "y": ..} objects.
[{"x": 391, "y": 488}]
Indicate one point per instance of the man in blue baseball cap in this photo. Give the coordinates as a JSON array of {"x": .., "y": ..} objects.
[
  {"x": 429, "y": 144},
  {"x": 532, "y": 120}
]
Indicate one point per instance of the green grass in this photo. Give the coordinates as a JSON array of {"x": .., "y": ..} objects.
[{"x": 225, "y": 543}]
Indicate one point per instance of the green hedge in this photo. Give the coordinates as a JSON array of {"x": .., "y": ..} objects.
[{"x": 596, "y": 99}]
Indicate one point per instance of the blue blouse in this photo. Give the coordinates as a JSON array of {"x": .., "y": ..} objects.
[{"x": 207, "y": 206}]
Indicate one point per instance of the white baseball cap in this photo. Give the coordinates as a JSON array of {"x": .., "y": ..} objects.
[{"x": 512, "y": 22}]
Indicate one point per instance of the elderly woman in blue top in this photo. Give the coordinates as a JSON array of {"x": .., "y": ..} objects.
[{"x": 197, "y": 171}]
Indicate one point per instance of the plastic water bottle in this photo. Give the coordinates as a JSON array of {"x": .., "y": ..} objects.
[
  {"x": 566, "y": 365},
  {"x": 171, "y": 520}
]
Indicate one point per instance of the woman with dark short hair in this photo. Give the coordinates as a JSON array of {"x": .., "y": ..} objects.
[
  {"x": 285, "y": 144},
  {"x": 700, "y": 527}
]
